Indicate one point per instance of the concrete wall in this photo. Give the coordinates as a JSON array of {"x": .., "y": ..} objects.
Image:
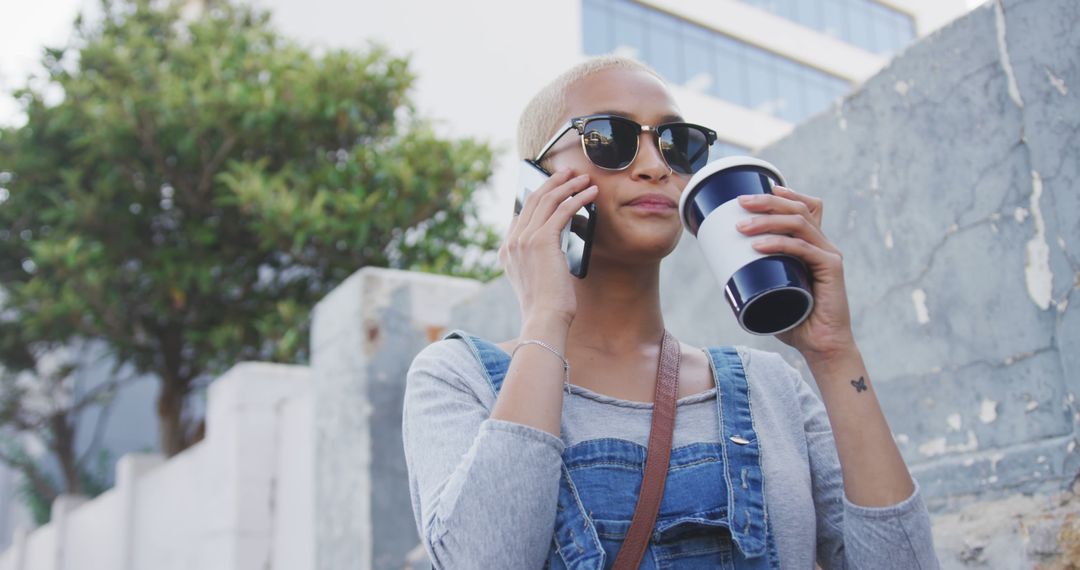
[
  {"x": 950, "y": 183},
  {"x": 240, "y": 499}
]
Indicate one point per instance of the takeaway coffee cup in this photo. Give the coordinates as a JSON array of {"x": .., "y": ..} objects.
[{"x": 769, "y": 293}]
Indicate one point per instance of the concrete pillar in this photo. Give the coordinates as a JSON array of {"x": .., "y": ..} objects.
[
  {"x": 129, "y": 469},
  {"x": 63, "y": 506},
  {"x": 363, "y": 338},
  {"x": 242, "y": 426}
]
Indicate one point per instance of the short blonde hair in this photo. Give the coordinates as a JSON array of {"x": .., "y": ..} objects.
[{"x": 541, "y": 117}]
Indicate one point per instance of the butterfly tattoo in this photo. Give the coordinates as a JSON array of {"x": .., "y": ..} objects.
[{"x": 860, "y": 384}]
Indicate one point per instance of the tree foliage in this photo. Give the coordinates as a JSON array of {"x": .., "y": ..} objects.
[{"x": 203, "y": 181}]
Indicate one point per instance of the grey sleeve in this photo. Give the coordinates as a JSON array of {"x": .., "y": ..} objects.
[
  {"x": 851, "y": 536},
  {"x": 484, "y": 491}
]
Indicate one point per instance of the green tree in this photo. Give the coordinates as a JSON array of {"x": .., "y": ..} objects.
[{"x": 200, "y": 182}]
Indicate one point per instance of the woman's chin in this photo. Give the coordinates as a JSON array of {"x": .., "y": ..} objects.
[
  {"x": 650, "y": 237},
  {"x": 639, "y": 247}
]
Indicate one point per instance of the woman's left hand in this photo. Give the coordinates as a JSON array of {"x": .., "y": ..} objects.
[{"x": 795, "y": 220}]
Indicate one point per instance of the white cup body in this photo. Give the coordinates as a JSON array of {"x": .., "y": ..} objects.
[{"x": 768, "y": 293}]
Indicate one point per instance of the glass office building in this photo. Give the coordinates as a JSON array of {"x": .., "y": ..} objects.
[
  {"x": 705, "y": 60},
  {"x": 867, "y": 24}
]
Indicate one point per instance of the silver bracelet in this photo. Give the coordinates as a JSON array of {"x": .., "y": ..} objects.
[{"x": 565, "y": 363}]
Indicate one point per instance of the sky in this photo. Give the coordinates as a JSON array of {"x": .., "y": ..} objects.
[{"x": 26, "y": 26}]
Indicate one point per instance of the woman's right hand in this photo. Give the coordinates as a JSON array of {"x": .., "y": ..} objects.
[{"x": 531, "y": 255}]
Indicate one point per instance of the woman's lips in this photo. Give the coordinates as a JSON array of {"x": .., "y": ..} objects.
[
  {"x": 653, "y": 203},
  {"x": 653, "y": 206}
]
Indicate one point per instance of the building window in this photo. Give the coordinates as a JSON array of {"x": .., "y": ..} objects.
[
  {"x": 705, "y": 60},
  {"x": 871, "y": 26}
]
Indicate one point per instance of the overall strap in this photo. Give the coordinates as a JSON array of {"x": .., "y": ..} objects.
[
  {"x": 494, "y": 360},
  {"x": 747, "y": 514},
  {"x": 657, "y": 457}
]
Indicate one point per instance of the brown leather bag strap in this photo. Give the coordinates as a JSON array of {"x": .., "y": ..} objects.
[{"x": 657, "y": 457}]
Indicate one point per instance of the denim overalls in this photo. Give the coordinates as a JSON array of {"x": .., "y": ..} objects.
[{"x": 713, "y": 511}]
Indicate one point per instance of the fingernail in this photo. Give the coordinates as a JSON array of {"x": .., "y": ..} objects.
[
  {"x": 748, "y": 199},
  {"x": 742, "y": 224}
]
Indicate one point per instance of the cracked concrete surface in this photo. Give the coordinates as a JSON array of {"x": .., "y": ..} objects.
[
  {"x": 1040, "y": 531},
  {"x": 966, "y": 319},
  {"x": 974, "y": 169}
]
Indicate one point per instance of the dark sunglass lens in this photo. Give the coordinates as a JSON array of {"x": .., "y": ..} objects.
[
  {"x": 610, "y": 143},
  {"x": 686, "y": 148}
]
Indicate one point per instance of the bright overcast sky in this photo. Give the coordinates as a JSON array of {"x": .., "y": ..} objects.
[{"x": 26, "y": 26}]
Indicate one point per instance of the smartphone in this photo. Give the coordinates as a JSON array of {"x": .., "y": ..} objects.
[{"x": 576, "y": 238}]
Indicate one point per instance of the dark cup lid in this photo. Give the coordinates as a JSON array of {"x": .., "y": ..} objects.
[{"x": 719, "y": 165}]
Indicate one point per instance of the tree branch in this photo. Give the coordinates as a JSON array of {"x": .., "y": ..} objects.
[
  {"x": 144, "y": 126},
  {"x": 208, "y": 171},
  {"x": 99, "y": 429},
  {"x": 107, "y": 387}
]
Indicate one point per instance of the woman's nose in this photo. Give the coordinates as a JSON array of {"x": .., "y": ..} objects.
[{"x": 649, "y": 163}]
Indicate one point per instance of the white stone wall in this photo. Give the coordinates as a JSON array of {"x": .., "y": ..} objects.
[{"x": 242, "y": 498}]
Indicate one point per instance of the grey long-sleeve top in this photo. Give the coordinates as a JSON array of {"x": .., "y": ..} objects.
[{"x": 484, "y": 490}]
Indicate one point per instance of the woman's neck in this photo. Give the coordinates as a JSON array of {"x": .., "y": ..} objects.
[{"x": 618, "y": 311}]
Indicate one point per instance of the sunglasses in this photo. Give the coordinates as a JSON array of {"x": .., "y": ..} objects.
[{"x": 611, "y": 142}]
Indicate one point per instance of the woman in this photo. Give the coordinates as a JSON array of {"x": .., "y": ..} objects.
[{"x": 514, "y": 465}]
